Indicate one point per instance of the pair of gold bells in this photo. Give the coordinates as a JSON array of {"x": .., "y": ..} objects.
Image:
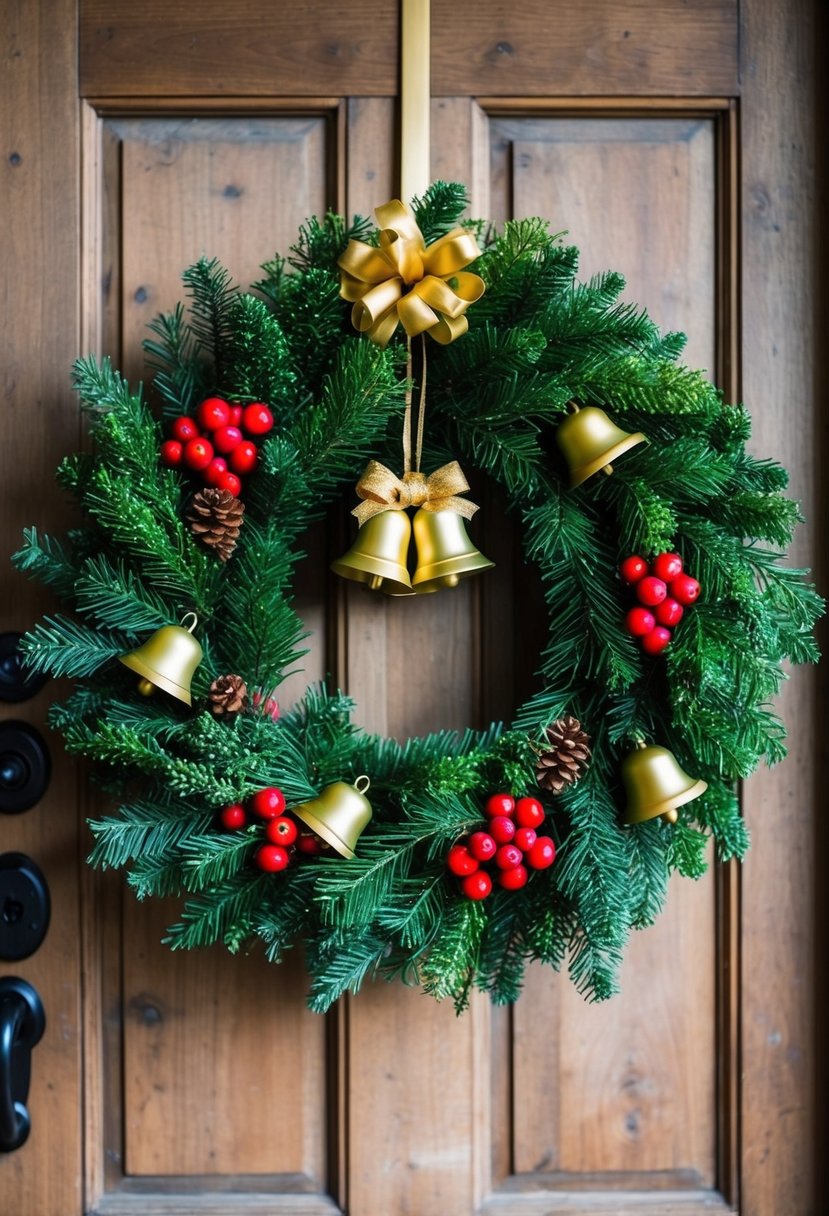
[{"x": 380, "y": 553}]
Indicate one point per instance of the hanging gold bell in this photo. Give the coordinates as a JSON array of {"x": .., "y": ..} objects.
[
  {"x": 379, "y": 553},
  {"x": 590, "y": 441},
  {"x": 167, "y": 660},
  {"x": 338, "y": 814},
  {"x": 445, "y": 554},
  {"x": 655, "y": 784}
]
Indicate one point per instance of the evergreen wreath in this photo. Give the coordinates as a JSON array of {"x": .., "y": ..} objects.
[{"x": 538, "y": 340}]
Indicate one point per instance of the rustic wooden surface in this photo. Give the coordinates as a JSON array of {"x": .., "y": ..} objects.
[
  {"x": 784, "y": 384},
  {"x": 247, "y": 48},
  {"x": 598, "y": 47},
  {"x": 38, "y": 422},
  {"x": 406, "y": 1110}
]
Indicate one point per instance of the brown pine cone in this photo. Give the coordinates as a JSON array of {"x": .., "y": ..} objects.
[
  {"x": 228, "y": 695},
  {"x": 567, "y": 757},
  {"x": 215, "y": 517}
]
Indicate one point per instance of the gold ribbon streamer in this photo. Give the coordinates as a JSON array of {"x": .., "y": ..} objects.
[
  {"x": 383, "y": 490},
  {"x": 405, "y": 282}
]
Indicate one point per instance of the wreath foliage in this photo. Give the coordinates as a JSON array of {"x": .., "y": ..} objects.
[{"x": 538, "y": 340}]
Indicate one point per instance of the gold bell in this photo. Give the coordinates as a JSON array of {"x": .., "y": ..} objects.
[
  {"x": 445, "y": 554},
  {"x": 338, "y": 814},
  {"x": 378, "y": 555},
  {"x": 655, "y": 784},
  {"x": 167, "y": 660},
  {"x": 590, "y": 441}
]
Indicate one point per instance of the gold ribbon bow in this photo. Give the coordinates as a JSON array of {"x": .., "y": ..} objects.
[
  {"x": 382, "y": 490},
  {"x": 404, "y": 281}
]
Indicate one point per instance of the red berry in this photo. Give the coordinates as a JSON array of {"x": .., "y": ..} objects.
[
  {"x": 639, "y": 622},
  {"x": 482, "y": 846},
  {"x": 184, "y": 429},
  {"x": 633, "y": 568},
  {"x": 651, "y": 591},
  {"x": 669, "y": 612},
  {"x": 198, "y": 453},
  {"x": 213, "y": 413},
  {"x": 502, "y": 828},
  {"x": 499, "y": 804},
  {"x": 542, "y": 854},
  {"x": 477, "y": 885},
  {"x": 271, "y": 857},
  {"x": 460, "y": 861},
  {"x": 257, "y": 419},
  {"x": 309, "y": 844},
  {"x": 525, "y": 838},
  {"x": 171, "y": 453},
  {"x": 236, "y": 412},
  {"x": 508, "y": 857},
  {"x": 233, "y": 817},
  {"x": 529, "y": 813},
  {"x": 656, "y": 641},
  {"x": 229, "y": 481},
  {"x": 243, "y": 457},
  {"x": 667, "y": 566},
  {"x": 514, "y": 879},
  {"x": 217, "y": 466},
  {"x": 685, "y": 589},
  {"x": 268, "y": 803},
  {"x": 281, "y": 830},
  {"x": 226, "y": 438}
]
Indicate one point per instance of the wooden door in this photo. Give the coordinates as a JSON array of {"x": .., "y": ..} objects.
[{"x": 673, "y": 140}]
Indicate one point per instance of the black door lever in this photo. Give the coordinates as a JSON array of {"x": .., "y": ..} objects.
[{"x": 22, "y": 1022}]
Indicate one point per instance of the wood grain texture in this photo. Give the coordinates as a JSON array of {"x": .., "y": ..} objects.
[
  {"x": 784, "y": 378},
  {"x": 598, "y": 47},
  {"x": 248, "y": 48},
  {"x": 39, "y": 288},
  {"x": 209, "y": 1049}
]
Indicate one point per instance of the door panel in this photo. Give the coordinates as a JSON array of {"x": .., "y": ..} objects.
[
  {"x": 630, "y": 1092},
  {"x": 215, "y": 128}
]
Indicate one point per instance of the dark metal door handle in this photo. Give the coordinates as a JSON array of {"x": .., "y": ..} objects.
[{"x": 22, "y": 1022}]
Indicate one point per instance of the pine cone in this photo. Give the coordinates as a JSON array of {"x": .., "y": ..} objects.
[
  {"x": 215, "y": 517},
  {"x": 567, "y": 758},
  {"x": 228, "y": 695}
]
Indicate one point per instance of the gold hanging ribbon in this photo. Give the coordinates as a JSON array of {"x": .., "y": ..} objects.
[
  {"x": 403, "y": 281},
  {"x": 383, "y": 490}
]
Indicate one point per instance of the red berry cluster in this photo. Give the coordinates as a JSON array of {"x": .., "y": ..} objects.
[
  {"x": 284, "y": 836},
  {"x": 214, "y": 444},
  {"x": 663, "y": 587},
  {"x": 512, "y": 844}
]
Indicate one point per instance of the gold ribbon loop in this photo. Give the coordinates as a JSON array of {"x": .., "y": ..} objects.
[
  {"x": 403, "y": 281},
  {"x": 383, "y": 490}
]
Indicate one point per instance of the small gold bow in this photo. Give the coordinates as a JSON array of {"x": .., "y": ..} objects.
[
  {"x": 404, "y": 281},
  {"x": 382, "y": 490}
]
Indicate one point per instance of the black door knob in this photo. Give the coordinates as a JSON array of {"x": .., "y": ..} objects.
[
  {"x": 22, "y": 1022},
  {"x": 16, "y": 683},
  {"x": 25, "y": 767},
  {"x": 24, "y": 906}
]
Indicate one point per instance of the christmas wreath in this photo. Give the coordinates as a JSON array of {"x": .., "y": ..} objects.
[{"x": 670, "y": 608}]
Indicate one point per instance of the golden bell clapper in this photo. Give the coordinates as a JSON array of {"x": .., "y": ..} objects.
[
  {"x": 167, "y": 660},
  {"x": 338, "y": 814},
  {"x": 379, "y": 554},
  {"x": 591, "y": 442},
  {"x": 656, "y": 784},
  {"x": 445, "y": 554}
]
